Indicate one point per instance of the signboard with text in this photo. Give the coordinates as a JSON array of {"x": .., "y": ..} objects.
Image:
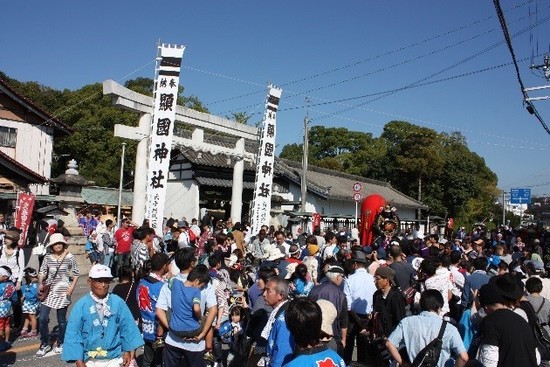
[
  {"x": 520, "y": 196},
  {"x": 261, "y": 208},
  {"x": 162, "y": 130}
]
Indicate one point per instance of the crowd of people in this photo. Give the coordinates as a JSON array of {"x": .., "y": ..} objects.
[{"x": 215, "y": 294}]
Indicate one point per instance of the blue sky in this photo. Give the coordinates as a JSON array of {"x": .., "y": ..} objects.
[{"x": 324, "y": 50}]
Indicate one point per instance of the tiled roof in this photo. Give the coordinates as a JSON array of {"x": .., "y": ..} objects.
[
  {"x": 218, "y": 182},
  {"x": 26, "y": 173},
  {"x": 106, "y": 196},
  {"x": 340, "y": 185},
  {"x": 214, "y": 160}
]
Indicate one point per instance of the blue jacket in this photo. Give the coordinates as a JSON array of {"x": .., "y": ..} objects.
[
  {"x": 280, "y": 343},
  {"x": 87, "y": 337}
]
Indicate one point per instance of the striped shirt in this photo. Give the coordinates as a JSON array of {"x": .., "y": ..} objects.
[{"x": 57, "y": 298}]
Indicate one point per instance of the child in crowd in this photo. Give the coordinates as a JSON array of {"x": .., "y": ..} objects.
[
  {"x": 8, "y": 295},
  {"x": 91, "y": 248},
  {"x": 186, "y": 304},
  {"x": 31, "y": 305},
  {"x": 232, "y": 332},
  {"x": 301, "y": 283}
]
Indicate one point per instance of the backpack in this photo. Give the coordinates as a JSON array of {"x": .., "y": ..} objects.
[
  {"x": 429, "y": 355},
  {"x": 542, "y": 338}
]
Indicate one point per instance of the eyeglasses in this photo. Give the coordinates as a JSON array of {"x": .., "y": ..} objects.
[{"x": 102, "y": 281}]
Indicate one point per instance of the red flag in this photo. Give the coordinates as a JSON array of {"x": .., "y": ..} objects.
[{"x": 23, "y": 215}]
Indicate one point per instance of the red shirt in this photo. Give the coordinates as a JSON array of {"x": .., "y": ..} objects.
[{"x": 124, "y": 238}]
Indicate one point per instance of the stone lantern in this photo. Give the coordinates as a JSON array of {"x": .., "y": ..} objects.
[{"x": 70, "y": 196}]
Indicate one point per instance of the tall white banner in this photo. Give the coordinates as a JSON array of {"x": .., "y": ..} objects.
[
  {"x": 167, "y": 78},
  {"x": 261, "y": 209}
]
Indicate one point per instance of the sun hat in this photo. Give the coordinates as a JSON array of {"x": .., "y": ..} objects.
[
  {"x": 329, "y": 314},
  {"x": 12, "y": 235},
  {"x": 57, "y": 238},
  {"x": 510, "y": 286},
  {"x": 275, "y": 254}
]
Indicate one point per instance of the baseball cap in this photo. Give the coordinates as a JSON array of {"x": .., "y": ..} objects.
[{"x": 99, "y": 271}]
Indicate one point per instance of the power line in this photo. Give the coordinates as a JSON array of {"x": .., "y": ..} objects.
[
  {"x": 530, "y": 106},
  {"x": 350, "y": 65}
]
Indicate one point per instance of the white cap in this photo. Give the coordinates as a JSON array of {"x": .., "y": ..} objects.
[
  {"x": 99, "y": 271},
  {"x": 4, "y": 273}
]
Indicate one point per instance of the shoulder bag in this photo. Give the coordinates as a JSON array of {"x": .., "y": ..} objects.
[
  {"x": 429, "y": 355},
  {"x": 45, "y": 290}
]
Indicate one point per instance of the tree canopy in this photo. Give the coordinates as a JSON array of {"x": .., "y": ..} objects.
[{"x": 436, "y": 167}]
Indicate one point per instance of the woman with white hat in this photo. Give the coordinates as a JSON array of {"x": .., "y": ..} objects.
[{"x": 56, "y": 271}]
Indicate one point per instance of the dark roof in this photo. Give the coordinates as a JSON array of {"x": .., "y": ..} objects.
[
  {"x": 26, "y": 173},
  {"x": 70, "y": 179},
  {"x": 49, "y": 120},
  {"x": 218, "y": 182},
  {"x": 339, "y": 185},
  {"x": 51, "y": 210}
]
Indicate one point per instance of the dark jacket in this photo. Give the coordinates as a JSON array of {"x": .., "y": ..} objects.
[{"x": 388, "y": 311}]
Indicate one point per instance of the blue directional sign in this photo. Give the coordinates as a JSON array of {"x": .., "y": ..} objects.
[{"x": 520, "y": 196}]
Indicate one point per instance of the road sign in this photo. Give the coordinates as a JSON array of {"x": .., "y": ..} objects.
[
  {"x": 357, "y": 196},
  {"x": 520, "y": 196},
  {"x": 357, "y": 187}
]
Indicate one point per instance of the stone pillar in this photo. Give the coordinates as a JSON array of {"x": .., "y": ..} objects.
[
  {"x": 140, "y": 171},
  {"x": 237, "y": 189}
]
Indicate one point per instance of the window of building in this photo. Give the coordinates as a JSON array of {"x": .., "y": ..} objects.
[{"x": 8, "y": 136}]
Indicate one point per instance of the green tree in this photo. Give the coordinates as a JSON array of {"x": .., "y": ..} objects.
[
  {"x": 240, "y": 117},
  {"x": 415, "y": 151}
]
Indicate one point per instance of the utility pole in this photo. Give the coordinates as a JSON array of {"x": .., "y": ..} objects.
[
  {"x": 503, "y": 208},
  {"x": 304, "y": 165}
]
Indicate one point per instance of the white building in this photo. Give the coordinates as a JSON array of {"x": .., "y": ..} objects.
[
  {"x": 200, "y": 180},
  {"x": 27, "y": 133}
]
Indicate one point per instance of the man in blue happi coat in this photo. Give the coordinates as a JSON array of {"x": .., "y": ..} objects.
[{"x": 101, "y": 330}]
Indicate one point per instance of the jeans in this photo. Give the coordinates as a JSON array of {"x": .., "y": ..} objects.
[
  {"x": 176, "y": 357},
  {"x": 108, "y": 259},
  {"x": 44, "y": 324},
  {"x": 119, "y": 261}
]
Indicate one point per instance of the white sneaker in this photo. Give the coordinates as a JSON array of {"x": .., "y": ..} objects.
[
  {"x": 58, "y": 349},
  {"x": 43, "y": 350}
]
